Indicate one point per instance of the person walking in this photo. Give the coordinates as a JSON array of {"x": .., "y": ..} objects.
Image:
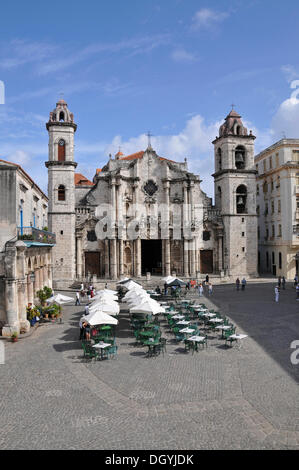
[
  {"x": 238, "y": 283},
  {"x": 207, "y": 279},
  {"x": 86, "y": 310},
  {"x": 210, "y": 288},
  {"x": 295, "y": 280},
  {"x": 77, "y": 298},
  {"x": 297, "y": 290},
  {"x": 200, "y": 290},
  {"x": 283, "y": 282},
  {"x": 165, "y": 288},
  {"x": 243, "y": 283},
  {"x": 276, "y": 291}
]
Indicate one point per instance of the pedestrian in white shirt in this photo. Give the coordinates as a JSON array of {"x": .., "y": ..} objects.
[
  {"x": 77, "y": 299},
  {"x": 276, "y": 290}
]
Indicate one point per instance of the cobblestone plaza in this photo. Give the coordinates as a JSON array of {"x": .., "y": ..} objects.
[{"x": 218, "y": 398}]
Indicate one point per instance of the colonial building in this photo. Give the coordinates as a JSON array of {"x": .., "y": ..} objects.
[
  {"x": 277, "y": 191},
  {"x": 25, "y": 249},
  {"x": 145, "y": 213}
]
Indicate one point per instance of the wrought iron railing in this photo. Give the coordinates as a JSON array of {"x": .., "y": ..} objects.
[{"x": 34, "y": 234}]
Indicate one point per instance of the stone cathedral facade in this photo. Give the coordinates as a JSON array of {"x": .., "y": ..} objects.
[{"x": 146, "y": 213}]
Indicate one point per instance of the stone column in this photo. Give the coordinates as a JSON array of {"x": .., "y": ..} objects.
[
  {"x": 167, "y": 257},
  {"x": 79, "y": 257},
  {"x": 138, "y": 257},
  {"x": 113, "y": 259},
  {"x": 107, "y": 271},
  {"x": 121, "y": 258},
  {"x": 220, "y": 253},
  {"x": 50, "y": 277},
  {"x": 186, "y": 258},
  {"x": 192, "y": 253},
  {"x": 11, "y": 308}
]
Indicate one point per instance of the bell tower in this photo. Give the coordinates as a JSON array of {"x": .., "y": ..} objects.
[
  {"x": 235, "y": 195},
  {"x": 61, "y": 192}
]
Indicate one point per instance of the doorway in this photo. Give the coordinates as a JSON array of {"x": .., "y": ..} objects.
[
  {"x": 92, "y": 263},
  {"x": 151, "y": 257},
  {"x": 206, "y": 261}
]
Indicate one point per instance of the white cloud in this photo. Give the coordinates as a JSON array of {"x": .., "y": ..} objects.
[
  {"x": 181, "y": 55},
  {"x": 205, "y": 18},
  {"x": 286, "y": 120}
]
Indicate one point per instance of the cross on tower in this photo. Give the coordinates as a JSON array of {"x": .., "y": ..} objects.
[
  {"x": 61, "y": 94},
  {"x": 149, "y": 135},
  {"x": 232, "y": 105}
]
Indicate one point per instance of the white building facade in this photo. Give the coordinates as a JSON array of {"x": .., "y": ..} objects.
[{"x": 277, "y": 190}]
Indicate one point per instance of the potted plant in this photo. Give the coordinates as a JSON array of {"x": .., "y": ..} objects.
[
  {"x": 43, "y": 294},
  {"x": 14, "y": 337}
]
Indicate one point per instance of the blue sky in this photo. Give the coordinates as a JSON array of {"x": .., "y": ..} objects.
[{"x": 125, "y": 67}]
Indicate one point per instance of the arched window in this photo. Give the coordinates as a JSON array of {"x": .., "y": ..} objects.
[
  {"x": 238, "y": 130},
  {"x": 219, "y": 194},
  {"x": 219, "y": 159},
  {"x": 240, "y": 157},
  {"x": 61, "y": 150},
  {"x": 61, "y": 193},
  {"x": 241, "y": 199},
  {"x": 61, "y": 116}
]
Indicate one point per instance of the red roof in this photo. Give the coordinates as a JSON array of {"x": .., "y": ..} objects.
[{"x": 81, "y": 180}]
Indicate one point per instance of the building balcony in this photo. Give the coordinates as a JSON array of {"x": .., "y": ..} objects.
[{"x": 35, "y": 235}]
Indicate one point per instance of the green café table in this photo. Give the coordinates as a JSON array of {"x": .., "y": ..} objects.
[{"x": 148, "y": 334}]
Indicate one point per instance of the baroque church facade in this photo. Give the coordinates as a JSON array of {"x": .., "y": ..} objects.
[{"x": 146, "y": 213}]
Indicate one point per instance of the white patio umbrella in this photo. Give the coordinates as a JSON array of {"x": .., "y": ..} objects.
[
  {"x": 168, "y": 279},
  {"x": 99, "y": 318},
  {"x": 148, "y": 307},
  {"x": 109, "y": 307},
  {"x": 138, "y": 300},
  {"x": 59, "y": 299},
  {"x": 134, "y": 292},
  {"x": 105, "y": 296},
  {"x": 131, "y": 284},
  {"x": 107, "y": 291}
]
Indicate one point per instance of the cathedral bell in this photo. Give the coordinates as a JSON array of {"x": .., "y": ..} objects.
[
  {"x": 240, "y": 201},
  {"x": 239, "y": 158}
]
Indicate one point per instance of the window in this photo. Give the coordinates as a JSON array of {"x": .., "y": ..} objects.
[
  {"x": 270, "y": 163},
  {"x": 258, "y": 233},
  {"x": 61, "y": 193},
  {"x": 257, "y": 190},
  {"x": 272, "y": 185},
  {"x": 61, "y": 116},
  {"x": 243, "y": 234},
  {"x": 280, "y": 260},
  {"x": 61, "y": 150},
  {"x": 243, "y": 249},
  {"x": 273, "y": 257},
  {"x": 278, "y": 182},
  {"x": 257, "y": 167},
  {"x": 279, "y": 205},
  {"x": 241, "y": 199},
  {"x": 266, "y": 209},
  {"x": 265, "y": 187},
  {"x": 267, "y": 259},
  {"x": 272, "y": 207},
  {"x": 240, "y": 157},
  {"x": 273, "y": 232},
  {"x": 295, "y": 156},
  {"x": 258, "y": 210},
  {"x": 264, "y": 164},
  {"x": 279, "y": 230},
  {"x": 219, "y": 158},
  {"x": 277, "y": 160}
]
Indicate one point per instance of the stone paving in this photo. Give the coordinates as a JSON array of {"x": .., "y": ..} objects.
[{"x": 219, "y": 398}]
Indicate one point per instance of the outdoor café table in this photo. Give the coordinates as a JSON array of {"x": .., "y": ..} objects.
[
  {"x": 196, "y": 338},
  {"x": 178, "y": 317},
  {"x": 223, "y": 328},
  {"x": 183, "y": 322},
  {"x": 187, "y": 331},
  {"x": 101, "y": 346},
  {"x": 237, "y": 337},
  {"x": 209, "y": 315},
  {"x": 216, "y": 320},
  {"x": 151, "y": 345},
  {"x": 173, "y": 312}
]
